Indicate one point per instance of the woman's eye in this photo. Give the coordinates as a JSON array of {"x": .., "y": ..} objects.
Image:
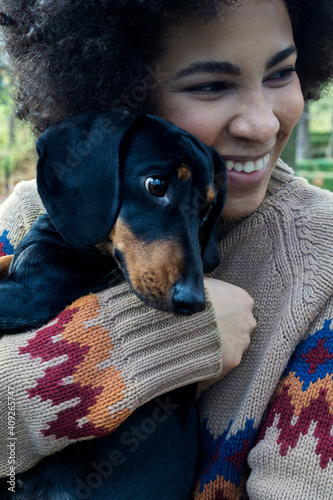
[
  {"x": 282, "y": 75},
  {"x": 157, "y": 186},
  {"x": 213, "y": 87}
]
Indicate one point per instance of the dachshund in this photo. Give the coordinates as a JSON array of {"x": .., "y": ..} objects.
[
  {"x": 127, "y": 197},
  {"x": 121, "y": 191}
]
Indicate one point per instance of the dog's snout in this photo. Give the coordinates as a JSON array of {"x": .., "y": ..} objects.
[{"x": 186, "y": 300}]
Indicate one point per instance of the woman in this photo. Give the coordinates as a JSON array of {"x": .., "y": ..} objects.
[{"x": 234, "y": 74}]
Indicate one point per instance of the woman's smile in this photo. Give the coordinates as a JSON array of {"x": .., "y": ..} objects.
[{"x": 247, "y": 172}]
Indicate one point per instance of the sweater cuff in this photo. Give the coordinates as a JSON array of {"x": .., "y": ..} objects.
[{"x": 156, "y": 351}]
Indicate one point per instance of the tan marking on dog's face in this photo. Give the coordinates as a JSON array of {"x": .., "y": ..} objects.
[
  {"x": 152, "y": 268},
  {"x": 184, "y": 172},
  {"x": 210, "y": 194},
  {"x": 106, "y": 246},
  {"x": 5, "y": 262}
]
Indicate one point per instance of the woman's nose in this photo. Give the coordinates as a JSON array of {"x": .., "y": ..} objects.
[{"x": 255, "y": 121}]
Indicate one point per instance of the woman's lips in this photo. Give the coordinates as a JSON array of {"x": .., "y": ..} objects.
[{"x": 247, "y": 173}]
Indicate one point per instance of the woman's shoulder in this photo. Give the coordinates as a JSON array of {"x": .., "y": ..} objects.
[
  {"x": 293, "y": 194},
  {"x": 311, "y": 203},
  {"x": 26, "y": 193},
  {"x": 301, "y": 216},
  {"x": 27, "y": 190},
  {"x": 19, "y": 211}
]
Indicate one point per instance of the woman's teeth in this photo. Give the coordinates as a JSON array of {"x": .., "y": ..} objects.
[{"x": 248, "y": 166}]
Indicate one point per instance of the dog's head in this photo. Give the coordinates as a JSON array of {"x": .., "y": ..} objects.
[{"x": 142, "y": 190}]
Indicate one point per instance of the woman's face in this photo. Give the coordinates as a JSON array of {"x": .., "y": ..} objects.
[{"x": 231, "y": 83}]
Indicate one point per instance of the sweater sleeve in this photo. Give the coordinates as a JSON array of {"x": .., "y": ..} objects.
[
  {"x": 81, "y": 375},
  {"x": 293, "y": 457}
]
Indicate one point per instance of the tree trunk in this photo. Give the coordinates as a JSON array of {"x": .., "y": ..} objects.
[
  {"x": 329, "y": 150},
  {"x": 303, "y": 148}
]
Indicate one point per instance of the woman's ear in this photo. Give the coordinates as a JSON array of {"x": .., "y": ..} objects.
[{"x": 78, "y": 174}]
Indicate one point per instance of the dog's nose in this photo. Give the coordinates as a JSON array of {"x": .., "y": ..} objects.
[{"x": 188, "y": 301}]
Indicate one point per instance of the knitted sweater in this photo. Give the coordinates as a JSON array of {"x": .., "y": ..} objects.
[{"x": 266, "y": 428}]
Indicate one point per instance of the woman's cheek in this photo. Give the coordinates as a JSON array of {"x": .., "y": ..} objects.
[
  {"x": 292, "y": 105},
  {"x": 198, "y": 120}
]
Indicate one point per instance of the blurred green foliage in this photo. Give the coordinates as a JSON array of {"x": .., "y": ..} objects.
[
  {"x": 4, "y": 81},
  {"x": 16, "y": 142},
  {"x": 317, "y": 167}
]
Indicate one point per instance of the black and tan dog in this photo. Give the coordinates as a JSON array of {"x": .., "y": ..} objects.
[
  {"x": 134, "y": 191},
  {"x": 119, "y": 189}
]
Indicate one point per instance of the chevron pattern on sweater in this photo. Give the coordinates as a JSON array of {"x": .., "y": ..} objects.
[
  {"x": 223, "y": 462},
  {"x": 305, "y": 396},
  {"x": 6, "y": 248},
  {"x": 78, "y": 375}
]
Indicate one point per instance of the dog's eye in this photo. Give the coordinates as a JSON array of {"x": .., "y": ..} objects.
[{"x": 156, "y": 186}]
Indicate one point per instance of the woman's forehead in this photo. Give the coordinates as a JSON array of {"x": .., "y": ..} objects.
[{"x": 250, "y": 26}]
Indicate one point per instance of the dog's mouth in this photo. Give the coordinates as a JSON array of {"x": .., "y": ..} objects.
[
  {"x": 155, "y": 271},
  {"x": 152, "y": 284},
  {"x": 164, "y": 289},
  {"x": 152, "y": 279}
]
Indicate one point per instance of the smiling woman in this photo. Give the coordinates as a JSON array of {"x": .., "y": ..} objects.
[{"x": 234, "y": 73}]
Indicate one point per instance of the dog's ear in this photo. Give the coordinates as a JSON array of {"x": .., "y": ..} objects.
[
  {"x": 205, "y": 155},
  {"x": 78, "y": 174},
  {"x": 210, "y": 254}
]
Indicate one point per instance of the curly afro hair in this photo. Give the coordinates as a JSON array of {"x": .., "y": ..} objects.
[{"x": 72, "y": 56}]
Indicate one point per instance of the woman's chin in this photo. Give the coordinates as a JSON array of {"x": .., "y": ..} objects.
[{"x": 242, "y": 205}]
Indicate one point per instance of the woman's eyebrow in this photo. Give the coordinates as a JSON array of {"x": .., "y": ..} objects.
[
  {"x": 281, "y": 56},
  {"x": 221, "y": 68},
  {"x": 227, "y": 68}
]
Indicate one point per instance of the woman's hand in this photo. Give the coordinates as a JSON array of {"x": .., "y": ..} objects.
[{"x": 233, "y": 307}]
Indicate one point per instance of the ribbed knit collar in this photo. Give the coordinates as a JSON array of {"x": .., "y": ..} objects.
[{"x": 281, "y": 176}]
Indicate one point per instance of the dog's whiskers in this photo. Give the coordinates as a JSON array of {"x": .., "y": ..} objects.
[{"x": 117, "y": 277}]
